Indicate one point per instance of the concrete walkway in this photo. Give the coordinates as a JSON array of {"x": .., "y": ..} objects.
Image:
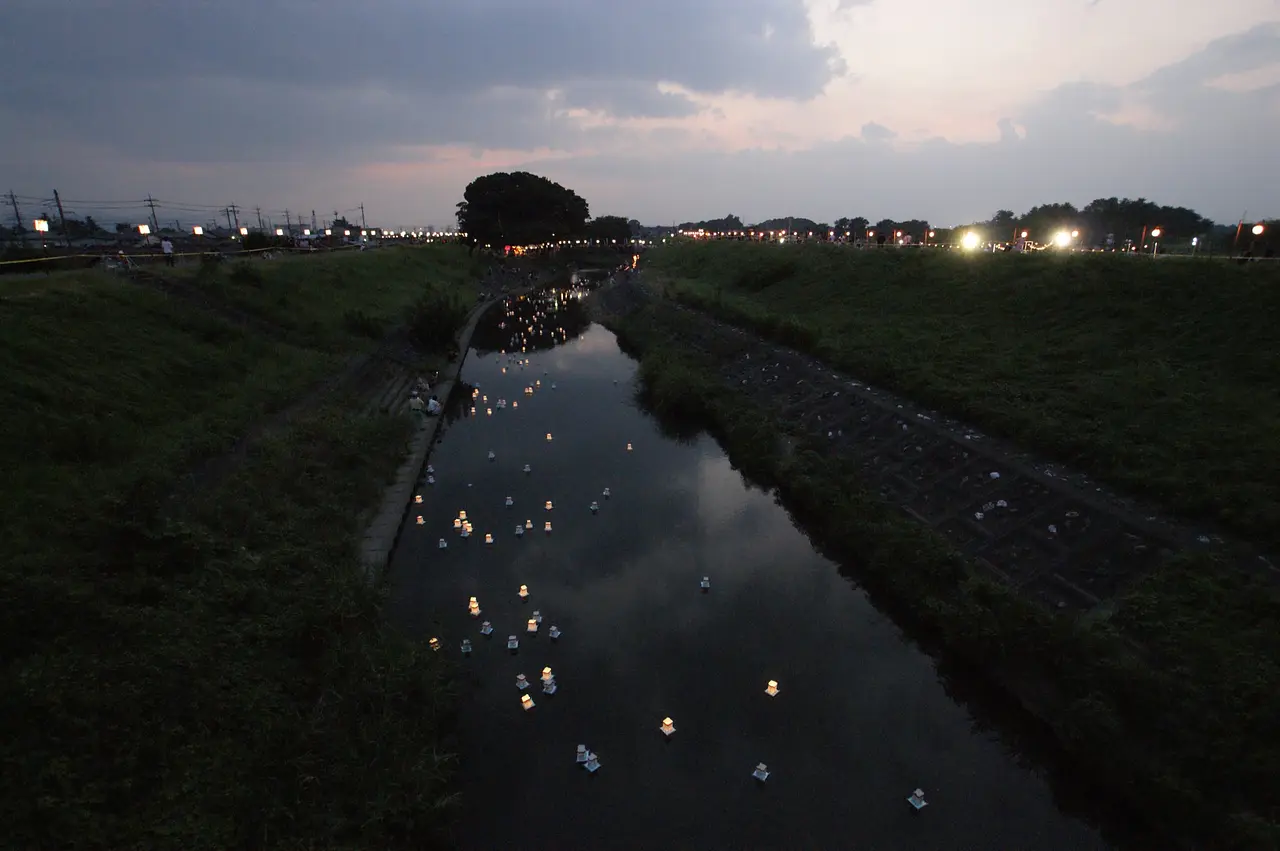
[{"x": 382, "y": 533}]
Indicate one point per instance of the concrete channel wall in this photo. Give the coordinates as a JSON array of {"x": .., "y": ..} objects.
[{"x": 384, "y": 530}]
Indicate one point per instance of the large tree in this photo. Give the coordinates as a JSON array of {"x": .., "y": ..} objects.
[
  {"x": 519, "y": 208},
  {"x": 610, "y": 230}
]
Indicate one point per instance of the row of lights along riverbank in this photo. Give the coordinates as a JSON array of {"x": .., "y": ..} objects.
[{"x": 542, "y": 312}]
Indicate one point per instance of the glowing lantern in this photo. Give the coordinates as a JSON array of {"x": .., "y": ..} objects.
[
  {"x": 457, "y": 524},
  {"x": 761, "y": 773},
  {"x": 434, "y": 643},
  {"x": 488, "y": 538},
  {"x": 521, "y": 682},
  {"x": 548, "y": 435},
  {"x": 554, "y": 632},
  {"x": 524, "y": 591},
  {"x": 546, "y": 674},
  {"x": 526, "y": 702},
  {"x": 546, "y": 527},
  {"x": 772, "y": 688},
  {"x": 420, "y": 520},
  {"x": 531, "y": 627},
  {"x": 528, "y": 524},
  {"x": 548, "y": 505},
  {"x": 462, "y": 515},
  {"x": 418, "y": 499},
  {"x": 668, "y": 726},
  {"x": 628, "y": 447}
]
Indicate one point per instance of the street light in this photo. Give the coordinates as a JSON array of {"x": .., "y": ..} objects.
[
  {"x": 1257, "y": 229},
  {"x": 1155, "y": 246},
  {"x": 1062, "y": 238},
  {"x": 42, "y": 225},
  {"x": 1155, "y": 233},
  {"x": 970, "y": 241},
  {"x": 144, "y": 229},
  {"x": 1024, "y": 234},
  {"x": 244, "y": 231},
  {"x": 279, "y": 231},
  {"x": 197, "y": 230}
]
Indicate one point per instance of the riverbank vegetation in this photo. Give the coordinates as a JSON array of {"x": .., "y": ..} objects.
[
  {"x": 1169, "y": 701},
  {"x": 207, "y": 670},
  {"x": 1156, "y": 376}
]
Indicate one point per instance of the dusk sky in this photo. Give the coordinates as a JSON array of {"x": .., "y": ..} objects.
[{"x": 651, "y": 109}]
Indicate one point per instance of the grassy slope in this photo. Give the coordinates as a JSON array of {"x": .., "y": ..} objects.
[
  {"x": 1159, "y": 377},
  {"x": 1187, "y": 728},
  {"x": 211, "y": 673}
]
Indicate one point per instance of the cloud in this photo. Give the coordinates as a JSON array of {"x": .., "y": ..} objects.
[
  {"x": 325, "y": 76},
  {"x": 872, "y": 132},
  {"x": 660, "y": 111}
]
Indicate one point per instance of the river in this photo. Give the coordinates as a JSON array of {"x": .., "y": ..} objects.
[{"x": 862, "y": 716}]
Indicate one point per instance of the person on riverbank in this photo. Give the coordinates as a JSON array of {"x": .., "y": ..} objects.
[
  {"x": 167, "y": 248},
  {"x": 417, "y": 405},
  {"x": 433, "y": 406}
]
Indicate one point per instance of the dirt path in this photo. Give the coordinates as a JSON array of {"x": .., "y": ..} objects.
[{"x": 1053, "y": 534}]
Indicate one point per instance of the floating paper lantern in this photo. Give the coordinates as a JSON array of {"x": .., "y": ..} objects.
[
  {"x": 521, "y": 682},
  {"x": 430, "y": 469},
  {"x": 593, "y": 763},
  {"x": 528, "y": 469},
  {"x": 761, "y": 773},
  {"x": 513, "y": 643},
  {"x": 531, "y": 627},
  {"x": 524, "y": 591},
  {"x": 488, "y": 537},
  {"x": 537, "y": 616},
  {"x": 546, "y": 674},
  {"x": 705, "y": 583},
  {"x": 462, "y": 515},
  {"x": 546, "y": 527},
  {"x": 554, "y": 632},
  {"x": 417, "y": 499},
  {"x": 916, "y": 800},
  {"x": 548, "y": 435},
  {"x": 668, "y": 726},
  {"x": 466, "y": 647},
  {"x": 595, "y": 506},
  {"x": 548, "y": 505},
  {"x": 519, "y": 531},
  {"x": 549, "y": 686},
  {"x": 628, "y": 447},
  {"x": 772, "y": 688},
  {"x": 491, "y": 455},
  {"x": 526, "y": 702},
  {"x": 607, "y": 494},
  {"x": 486, "y": 628},
  {"x": 433, "y": 643},
  {"x": 443, "y": 544},
  {"x": 510, "y": 502},
  {"x": 420, "y": 520},
  {"x": 581, "y": 756},
  {"x": 431, "y": 480}
]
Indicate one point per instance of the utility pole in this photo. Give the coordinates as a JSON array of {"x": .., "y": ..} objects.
[
  {"x": 261, "y": 226},
  {"x": 155, "y": 223},
  {"x": 313, "y": 222},
  {"x": 62, "y": 217},
  {"x": 227, "y": 210},
  {"x": 363, "y": 226},
  {"x": 288, "y": 224},
  {"x": 17, "y": 214},
  {"x": 235, "y": 212}
]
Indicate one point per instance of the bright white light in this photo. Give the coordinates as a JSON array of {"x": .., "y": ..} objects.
[
  {"x": 144, "y": 229},
  {"x": 970, "y": 241},
  {"x": 1062, "y": 238},
  {"x": 279, "y": 231},
  {"x": 197, "y": 230},
  {"x": 1258, "y": 229}
]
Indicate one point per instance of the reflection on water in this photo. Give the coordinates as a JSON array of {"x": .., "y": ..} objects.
[{"x": 861, "y": 718}]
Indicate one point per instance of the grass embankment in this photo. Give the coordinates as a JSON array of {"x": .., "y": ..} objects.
[
  {"x": 208, "y": 672},
  {"x": 1171, "y": 702},
  {"x": 1157, "y": 376}
]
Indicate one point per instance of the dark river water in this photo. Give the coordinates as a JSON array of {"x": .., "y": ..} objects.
[{"x": 862, "y": 717}]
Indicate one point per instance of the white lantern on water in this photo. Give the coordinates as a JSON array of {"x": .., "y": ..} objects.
[
  {"x": 772, "y": 688},
  {"x": 668, "y": 727}
]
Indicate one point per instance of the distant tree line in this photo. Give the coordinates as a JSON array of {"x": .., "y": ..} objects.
[{"x": 1122, "y": 219}]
